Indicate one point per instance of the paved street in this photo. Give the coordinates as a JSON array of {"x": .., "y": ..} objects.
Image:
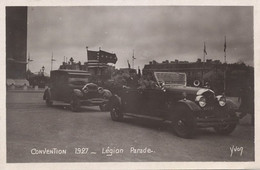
[{"x": 34, "y": 129}]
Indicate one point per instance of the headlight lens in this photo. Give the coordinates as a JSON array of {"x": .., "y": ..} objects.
[
  {"x": 221, "y": 100},
  {"x": 201, "y": 100}
]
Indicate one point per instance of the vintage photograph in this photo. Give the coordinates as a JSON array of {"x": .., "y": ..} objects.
[{"x": 130, "y": 84}]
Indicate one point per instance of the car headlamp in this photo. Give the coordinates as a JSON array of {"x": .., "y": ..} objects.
[
  {"x": 201, "y": 100},
  {"x": 221, "y": 100}
]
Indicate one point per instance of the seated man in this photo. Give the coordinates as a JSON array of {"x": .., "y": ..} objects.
[{"x": 146, "y": 83}]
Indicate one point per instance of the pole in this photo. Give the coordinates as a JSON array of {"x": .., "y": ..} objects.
[
  {"x": 51, "y": 60},
  {"x": 133, "y": 58},
  {"x": 87, "y": 52},
  {"x": 29, "y": 60},
  {"x": 225, "y": 64},
  {"x": 203, "y": 64},
  {"x": 99, "y": 70}
]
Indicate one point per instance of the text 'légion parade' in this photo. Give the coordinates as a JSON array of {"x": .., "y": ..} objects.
[{"x": 107, "y": 151}]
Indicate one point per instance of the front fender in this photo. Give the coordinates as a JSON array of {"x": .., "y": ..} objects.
[
  {"x": 107, "y": 94},
  {"x": 190, "y": 104},
  {"x": 77, "y": 93},
  {"x": 231, "y": 105}
]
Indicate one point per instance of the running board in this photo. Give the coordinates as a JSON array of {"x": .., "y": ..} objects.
[{"x": 146, "y": 117}]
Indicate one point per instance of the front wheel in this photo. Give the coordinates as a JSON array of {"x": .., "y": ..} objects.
[
  {"x": 75, "y": 104},
  {"x": 116, "y": 114},
  {"x": 225, "y": 129},
  {"x": 184, "y": 125}
]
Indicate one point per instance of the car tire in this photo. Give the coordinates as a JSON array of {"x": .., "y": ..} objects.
[
  {"x": 184, "y": 125},
  {"x": 116, "y": 113},
  {"x": 48, "y": 100},
  {"x": 225, "y": 129},
  {"x": 75, "y": 104}
]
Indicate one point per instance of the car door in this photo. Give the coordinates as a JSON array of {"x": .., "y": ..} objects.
[
  {"x": 131, "y": 100},
  {"x": 59, "y": 85},
  {"x": 154, "y": 102}
]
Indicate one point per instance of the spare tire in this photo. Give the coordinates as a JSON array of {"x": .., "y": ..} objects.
[{"x": 196, "y": 83}]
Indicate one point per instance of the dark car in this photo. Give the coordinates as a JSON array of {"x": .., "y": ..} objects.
[
  {"x": 75, "y": 88},
  {"x": 168, "y": 98}
]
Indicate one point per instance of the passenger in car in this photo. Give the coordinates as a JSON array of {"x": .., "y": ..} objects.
[{"x": 146, "y": 82}]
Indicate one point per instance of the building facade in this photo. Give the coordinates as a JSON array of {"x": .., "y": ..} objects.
[{"x": 237, "y": 76}]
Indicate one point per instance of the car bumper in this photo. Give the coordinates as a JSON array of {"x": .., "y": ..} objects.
[
  {"x": 93, "y": 102},
  {"x": 212, "y": 122}
]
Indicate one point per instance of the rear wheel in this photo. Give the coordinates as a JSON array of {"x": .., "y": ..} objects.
[
  {"x": 116, "y": 113},
  {"x": 184, "y": 125},
  {"x": 75, "y": 104}
]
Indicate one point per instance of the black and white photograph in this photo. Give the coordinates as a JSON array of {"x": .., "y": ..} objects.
[{"x": 130, "y": 84}]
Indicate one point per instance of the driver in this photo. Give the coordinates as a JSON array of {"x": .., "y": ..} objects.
[{"x": 146, "y": 82}]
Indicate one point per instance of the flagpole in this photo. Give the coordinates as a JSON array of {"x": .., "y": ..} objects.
[
  {"x": 225, "y": 64},
  {"x": 203, "y": 64},
  {"x": 29, "y": 60},
  {"x": 87, "y": 52},
  {"x": 133, "y": 58},
  {"x": 51, "y": 60}
]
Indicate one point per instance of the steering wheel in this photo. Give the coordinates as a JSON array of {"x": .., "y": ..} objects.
[{"x": 160, "y": 83}]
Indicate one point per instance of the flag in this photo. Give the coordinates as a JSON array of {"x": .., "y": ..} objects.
[
  {"x": 106, "y": 57},
  {"x": 102, "y": 56},
  {"x": 225, "y": 45},
  {"x": 128, "y": 64},
  {"x": 205, "y": 52},
  {"x": 133, "y": 57},
  {"x": 93, "y": 55}
]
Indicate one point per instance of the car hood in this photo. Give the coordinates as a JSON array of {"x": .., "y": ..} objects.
[{"x": 188, "y": 90}]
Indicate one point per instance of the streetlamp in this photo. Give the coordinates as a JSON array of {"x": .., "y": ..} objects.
[
  {"x": 29, "y": 60},
  {"x": 52, "y": 60}
]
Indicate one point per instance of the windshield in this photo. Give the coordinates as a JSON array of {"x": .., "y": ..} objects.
[
  {"x": 171, "y": 78},
  {"x": 78, "y": 79}
]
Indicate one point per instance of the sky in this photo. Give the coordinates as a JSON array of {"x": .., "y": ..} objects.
[{"x": 153, "y": 33}]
